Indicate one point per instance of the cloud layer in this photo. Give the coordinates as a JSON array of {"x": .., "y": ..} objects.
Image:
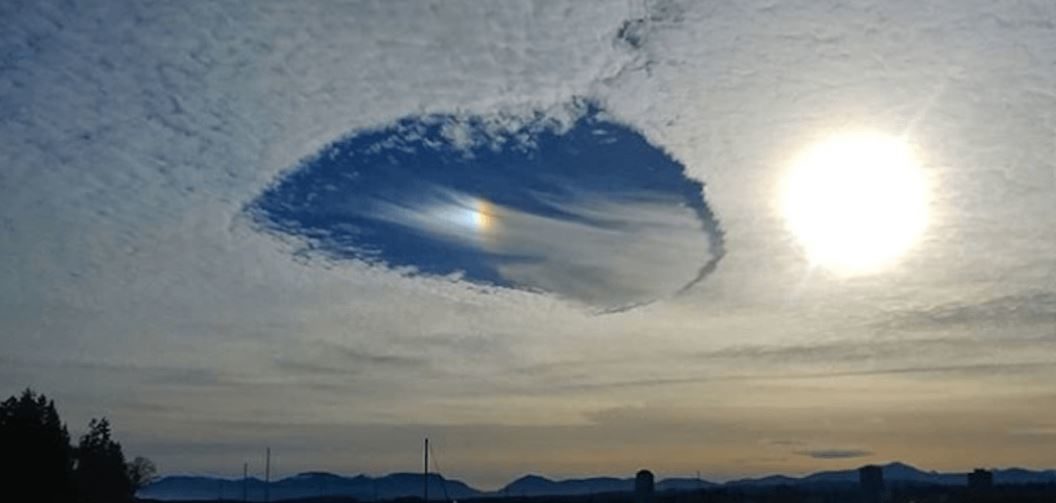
[{"x": 135, "y": 284}]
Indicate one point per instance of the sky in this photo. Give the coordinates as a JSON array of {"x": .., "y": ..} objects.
[{"x": 547, "y": 235}]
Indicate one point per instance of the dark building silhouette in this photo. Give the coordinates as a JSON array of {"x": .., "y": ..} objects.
[
  {"x": 643, "y": 487},
  {"x": 871, "y": 480},
  {"x": 980, "y": 479}
]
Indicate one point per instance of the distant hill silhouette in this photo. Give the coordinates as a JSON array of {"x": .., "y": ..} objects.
[
  {"x": 901, "y": 473},
  {"x": 306, "y": 485},
  {"x": 535, "y": 485},
  {"x": 402, "y": 485},
  {"x": 770, "y": 480},
  {"x": 684, "y": 484}
]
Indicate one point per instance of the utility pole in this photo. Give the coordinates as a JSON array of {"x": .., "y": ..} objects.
[
  {"x": 700, "y": 487},
  {"x": 245, "y": 482},
  {"x": 267, "y": 475},
  {"x": 425, "y": 484}
]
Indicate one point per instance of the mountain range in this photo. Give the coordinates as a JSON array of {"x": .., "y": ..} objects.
[{"x": 402, "y": 485}]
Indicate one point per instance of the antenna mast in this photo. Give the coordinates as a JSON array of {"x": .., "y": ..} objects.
[
  {"x": 425, "y": 484},
  {"x": 267, "y": 475}
]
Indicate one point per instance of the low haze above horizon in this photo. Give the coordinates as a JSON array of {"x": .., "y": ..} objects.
[{"x": 568, "y": 238}]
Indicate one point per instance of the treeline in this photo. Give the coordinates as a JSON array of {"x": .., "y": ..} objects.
[{"x": 40, "y": 463}]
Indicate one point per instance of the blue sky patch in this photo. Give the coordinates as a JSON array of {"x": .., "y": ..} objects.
[{"x": 589, "y": 211}]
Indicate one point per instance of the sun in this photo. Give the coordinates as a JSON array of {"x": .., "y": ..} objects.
[{"x": 855, "y": 201}]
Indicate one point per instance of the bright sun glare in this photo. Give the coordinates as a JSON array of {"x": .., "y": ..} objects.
[{"x": 855, "y": 201}]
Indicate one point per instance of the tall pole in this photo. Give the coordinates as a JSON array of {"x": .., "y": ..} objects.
[
  {"x": 700, "y": 487},
  {"x": 267, "y": 475},
  {"x": 245, "y": 482},
  {"x": 425, "y": 484}
]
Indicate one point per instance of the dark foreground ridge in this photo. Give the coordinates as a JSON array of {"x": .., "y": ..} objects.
[{"x": 902, "y": 483}]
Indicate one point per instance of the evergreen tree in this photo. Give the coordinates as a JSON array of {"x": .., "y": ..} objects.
[
  {"x": 101, "y": 473},
  {"x": 37, "y": 460}
]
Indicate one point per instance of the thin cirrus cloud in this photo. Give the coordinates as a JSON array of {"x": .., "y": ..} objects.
[
  {"x": 589, "y": 211},
  {"x": 835, "y": 453}
]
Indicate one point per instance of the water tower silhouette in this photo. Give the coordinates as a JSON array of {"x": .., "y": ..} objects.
[{"x": 643, "y": 487}]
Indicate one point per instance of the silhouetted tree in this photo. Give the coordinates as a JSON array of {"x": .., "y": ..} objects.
[
  {"x": 141, "y": 472},
  {"x": 37, "y": 459},
  {"x": 101, "y": 473}
]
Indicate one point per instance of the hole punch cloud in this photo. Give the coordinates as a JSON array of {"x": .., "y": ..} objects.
[{"x": 587, "y": 210}]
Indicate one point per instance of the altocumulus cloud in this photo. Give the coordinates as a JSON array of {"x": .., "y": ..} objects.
[{"x": 584, "y": 208}]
